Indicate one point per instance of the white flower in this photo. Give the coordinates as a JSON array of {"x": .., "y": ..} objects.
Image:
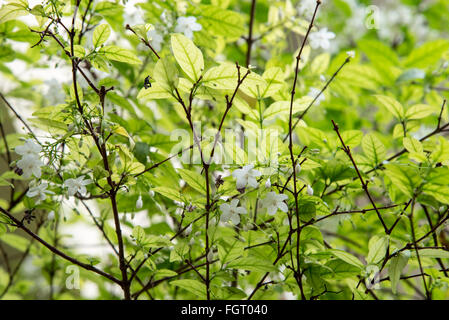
[
  {"x": 350, "y": 54},
  {"x": 309, "y": 190},
  {"x": 151, "y": 193},
  {"x": 246, "y": 176},
  {"x": 39, "y": 191},
  {"x": 187, "y": 25},
  {"x": 139, "y": 202},
  {"x": 306, "y": 7},
  {"x": 51, "y": 215},
  {"x": 155, "y": 39},
  {"x": 231, "y": 212},
  {"x": 321, "y": 39},
  {"x": 29, "y": 148},
  {"x": 166, "y": 19},
  {"x": 268, "y": 183},
  {"x": 30, "y": 165},
  {"x": 77, "y": 185},
  {"x": 314, "y": 92},
  {"x": 274, "y": 201}
]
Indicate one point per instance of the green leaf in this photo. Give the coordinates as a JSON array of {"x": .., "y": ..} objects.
[
  {"x": 193, "y": 179},
  {"x": 320, "y": 64},
  {"x": 101, "y": 34},
  {"x": 141, "y": 151},
  {"x": 339, "y": 269},
  {"x": 120, "y": 54},
  {"x": 392, "y": 105},
  {"x": 230, "y": 293},
  {"x": 377, "y": 249},
  {"x": 169, "y": 193},
  {"x": 307, "y": 210},
  {"x": 252, "y": 264},
  {"x": 282, "y": 108},
  {"x": 404, "y": 178},
  {"x": 415, "y": 149},
  {"x": 166, "y": 75},
  {"x": 164, "y": 273},
  {"x": 432, "y": 253},
  {"x": 188, "y": 56},
  {"x": 193, "y": 286},
  {"x": 139, "y": 234},
  {"x": 373, "y": 148},
  {"x": 419, "y": 111},
  {"x": 230, "y": 252},
  {"x": 427, "y": 54},
  {"x": 347, "y": 257},
  {"x": 439, "y": 192},
  {"x": 156, "y": 91},
  {"x": 274, "y": 78},
  {"x": 221, "y": 22},
  {"x": 412, "y": 145},
  {"x": 179, "y": 251},
  {"x": 352, "y": 138},
  {"x": 441, "y": 151},
  {"x": 224, "y": 77},
  {"x": 12, "y": 11},
  {"x": 378, "y": 52},
  {"x": 397, "y": 264},
  {"x": 15, "y": 241}
]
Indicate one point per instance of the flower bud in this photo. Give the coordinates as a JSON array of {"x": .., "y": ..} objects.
[
  {"x": 268, "y": 183},
  {"x": 297, "y": 168},
  {"x": 309, "y": 190},
  {"x": 139, "y": 203},
  {"x": 51, "y": 215}
]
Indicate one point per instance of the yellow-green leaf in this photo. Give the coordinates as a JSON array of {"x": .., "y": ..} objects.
[
  {"x": 120, "y": 54},
  {"x": 188, "y": 56},
  {"x": 101, "y": 34}
]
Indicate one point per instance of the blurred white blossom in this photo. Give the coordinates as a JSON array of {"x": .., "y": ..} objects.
[
  {"x": 273, "y": 201},
  {"x": 28, "y": 148},
  {"x": 40, "y": 192},
  {"x": 77, "y": 185},
  {"x": 321, "y": 39},
  {"x": 314, "y": 92},
  {"x": 230, "y": 211},
  {"x": 155, "y": 39},
  {"x": 30, "y": 165},
  {"x": 139, "y": 202},
  {"x": 187, "y": 25},
  {"x": 246, "y": 176}
]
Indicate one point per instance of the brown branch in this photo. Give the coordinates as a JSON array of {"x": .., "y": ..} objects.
[
  {"x": 292, "y": 156},
  {"x": 56, "y": 251},
  {"x": 347, "y": 150}
]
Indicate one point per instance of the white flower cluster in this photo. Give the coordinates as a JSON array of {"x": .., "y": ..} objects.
[
  {"x": 272, "y": 201},
  {"x": 321, "y": 39},
  {"x": 185, "y": 25},
  {"x": 30, "y": 163},
  {"x": 39, "y": 191},
  {"x": 231, "y": 212},
  {"x": 246, "y": 176}
]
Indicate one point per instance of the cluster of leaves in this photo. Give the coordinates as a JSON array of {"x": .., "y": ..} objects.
[{"x": 357, "y": 144}]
